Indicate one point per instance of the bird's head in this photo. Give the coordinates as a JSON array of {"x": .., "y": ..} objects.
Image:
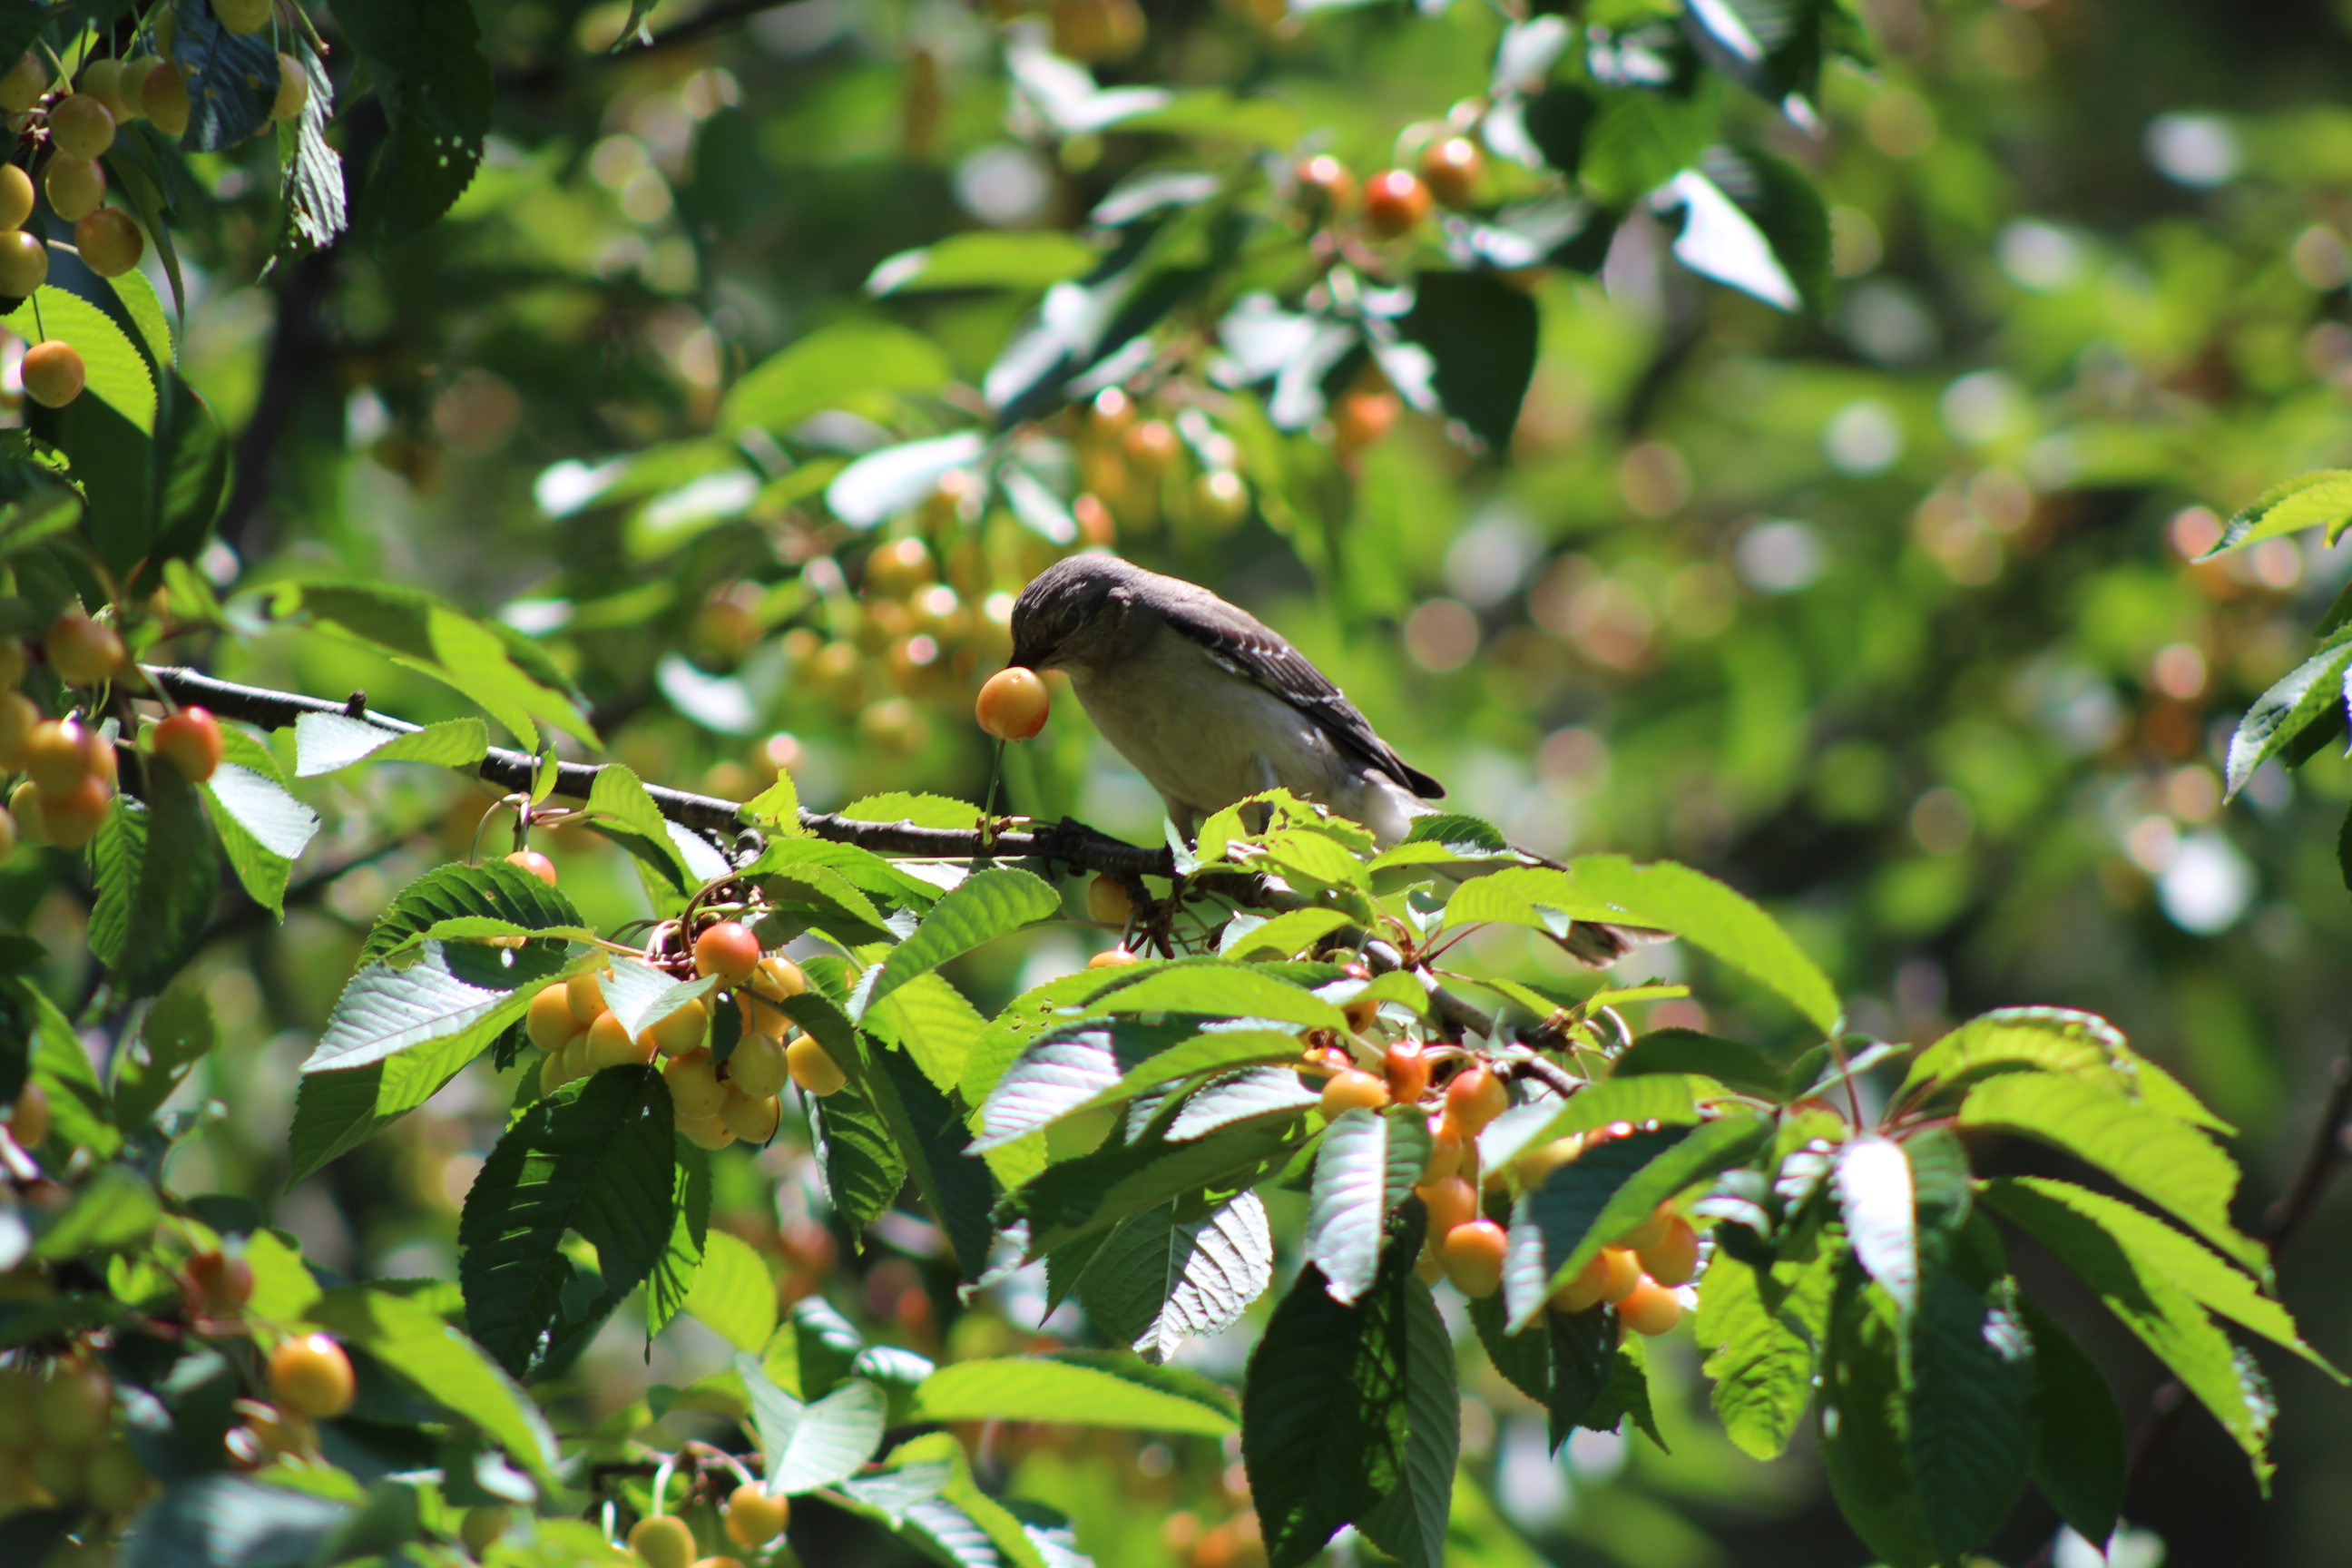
[{"x": 1075, "y": 612}]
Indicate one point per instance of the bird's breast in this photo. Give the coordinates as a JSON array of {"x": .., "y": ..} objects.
[{"x": 1202, "y": 735}]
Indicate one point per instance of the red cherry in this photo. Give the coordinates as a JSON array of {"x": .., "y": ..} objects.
[
  {"x": 190, "y": 740},
  {"x": 728, "y": 950}
]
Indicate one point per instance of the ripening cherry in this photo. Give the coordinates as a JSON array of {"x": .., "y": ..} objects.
[
  {"x": 1108, "y": 902},
  {"x": 1395, "y": 202},
  {"x": 1360, "y": 1015},
  {"x": 1445, "y": 1149},
  {"x": 1363, "y": 420},
  {"x": 219, "y": 1283},
  {"x": 242, "y": 16},
  {"x": 29, "y": 1118},
  {"x": 1407, "y": 1067},
  {"x": 675, "y": 1033},
  {"x": 79, "y": 126},
  {"x": 75, "y": 1403},
  {"x": 16, "y": 196},
  {"x": 535, "y": 863},
  {"x": 25, "y": 810},
  {"x": 310, "y": 1375},
  {"x": 103, "y": 79},
  {"x": 549, "y": 1021},
  {"x": 57, "y": 755},
  {"x": 1650, "y": 1231},
  {"x": 1674, "y": 1258},
  {"x": 1112, "y": 958},
  {"x": 728, "y": 950},
  {"x": 1451, "y": 169},
  {"x": 812, "y": 1068},
  {"x": 752, "y": 1118},
  {"x": 1151, "y": 449},
  {"x": 663, "y": 1541},
  {"x": 26, "y": 81},
  {"x": 1450, "y": 1201},
  {"x": 586, "y": 995},
  {"x": 82, "y": 651},
  {"x": 709, "y": 1133},
  {"x": 53, "y": 373},
  {"x": 695, "y": 1092},
  {"x": 1013, "y": 704},
  {"x": 1473, "y": 1257},
  {"x": 190, "y": 742},
  {"x": 1353, "y": 1090},
  {"x": 1583, "y": 1289},
  {"x": 109, "y": 242},
  {"x": 1474, "y": 1098},
  {"x": 1326, "y": 188},
  {"x": 561, "y": 1064},
  {"x": 1650, "y": 1308},
  {"x": 165, "y": 98},
  {"x": 134, "y": 84},
  {"x": 754, "y": 1518},
  {"x": 24, "y": 263},
  {"x": 756, "y": 1067},
  {"x": 1221, "y": 499},
  {"x": 293, "y": 89},
  {"x": 7, "y": 834},
  {"x": 1541, "y": 1161},
  {"x": 777, "y": 979},
  {"x": 609, "y": 1045},
  {"x": 1621, "y": 1272}
]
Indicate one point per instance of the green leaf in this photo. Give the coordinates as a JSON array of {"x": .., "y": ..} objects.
[
  {"x": 2310, "y": 694},
  {"x": 445, "y": 1367},
  {"x": 1350, "y": 1416},
  {"x": 1712, "y": 917},
  {"x": 448, "y": 992},
  {"x": 2300, "y": 502},
  {"x": 734, "y": 1295},
  {"x": 176, "y": 1034},
  {"x": 330, "y": 743},
  {"x": 2174, "y": 1166},
  {"x": 1669, "y": 1100},
  {"x": 984, "y": 260},
  {"x": 115, "y": 371},
  {"x": 920, "y": 810},
  {"x": 1641, "y": 138},
  {"x": 137, "y": 297},
  {"x": 1078, "y": 1197},
  {"x": 425, "y": 59},
  {"x": 983, "y": 906},
  {"x": 1764, "y": 1343},
  {"x": 812, "y": 1445},
  {"x": 189, "y": 466},
  {"x": 1082, "y": 1388},
  {"x": 2078, "y": 1445},
  {"x": 1023, "y": 1020},
  {"x": 1481, "y": 334},
  {"x": 2155, "y": 1307},
  {"x": 892, "y": 479},
  {"x": 80, "y": 1114},
  {"x": 226, "y": 1520},
  {"x": 1367, "y": 1164},
  {"x": 115, "y": 1212},
  {"x": 1967, "y": 1389},
  {"x": 2044, "y": 1039},
  {"x": 931, "y": 1022},
  {"x": 315, "y": 210},
  {"x": 848, "y": 365},
  {"x": 284, "y": 1289},
  {"x": 263, "y": 829},
  {"x": 1873, "y": 1183},
  {"x": 1734, "y": 1065},
  {"x": 158, "y": 874},
  {"x": 1286, "y": 935},
  {"x": 670, "y": 1288},
  {"x": 776, "y": 810},
  {"x": 1158, "y": 1279},
  {"x": 593, "y": 1157},
  {"x": 626, "y": 814},
  {"x": 233, "y": 81},
  {"x": 1863, "y": 1438},
  {"x": 863, "y": 1167},
  {"x": 493, "y": 891},
  {"x": 1558, "y": 1227},
  {"x": 1215, "y": 989},
  {"x": 1077, "y": 1067}
]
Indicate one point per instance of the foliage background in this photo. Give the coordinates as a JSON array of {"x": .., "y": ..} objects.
[{"x": 1884, "y": 616}]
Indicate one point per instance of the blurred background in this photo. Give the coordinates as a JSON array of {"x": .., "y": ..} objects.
[{"x": 1885, "y": 615}]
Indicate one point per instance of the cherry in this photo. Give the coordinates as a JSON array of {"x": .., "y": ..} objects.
[
  {"x": 708, "y": 1133},
  {"x": 1364, "y": 418},
  {"x": 1326, "y": 188},
  {"x": 1473, "y": 1257},
  {"x": 1583, "y": 1289},
  {"x": 1475, "y": 1098},
  {"x": 752, "y": 1118},
  {"x": 165, "y": 98},
  {"x": 1444, "y": 1151},
  {"x": 728, "y": 950},
  {"x": 79, "y": 126},
  {"x": 1151, "y": 449},
  {"x": 190, "y": 740},
  {"x": 757, "y": 1066},
  {"x": 1408, "y": 1072},
  {"x": 1650, "y": 1308},
  {"x": 663, "y": 1541},
  {"x": 23, "y": 86},
  {"x": 695, "y": 1092},
  {"x": 537, "y": 864},
  {"x": 1650, "y": 1231},
  {"x": 1097, "y": 527},
  {"x": 82, "y": 651},
  {"x": 1395, "y": 202},
  {"x": 1108, "y": 901},
  {"x": 293, "y": 89},
  {"x": 1450, "y": 1201},
  {"x": 899, "y": 567},
  {"x": 1220, "y": 500},
  {"x": 29, "y": 1118},
  {"x": 109, "y": 242},
  {"x": 1674, "y": 1258},
  {"x": 73, "y": 819},
  {"x": 134, "y": 87},
  {"x": 242, "y": 16},
  {"x": 103, "y": 79},
  {"x": 74, "y": 1405},
  {"x": 1451, "y": 169},
  {"x": 57, "y": 756},
  {"x": 7, "y": 836},
  {"x": 53, "y": 373},
  {"x": 1013, "y": 704},
  {"x": 1097, "y": 29},
  {"x": 753, "y": 1517},
  {"x": 1112, "y": 958},
  {"x": 586, "y": 995},
  {"x": 811, "y": 1068},
  {"x": 674, "y": 1034},
  {"x": 777, "y": 979},
  {"x": 312, "y": 1376},
  {"x": 609, "y": 1045},
  {"x": 1622, "y": 1271},
  {"x": 1353, "y": 1090},
  {"x": 549, "y": 1022},
  {"x": 1110, "y": 414},
  {"x": 1545, "y": 1158},
  {"x": 16, "y": 196},
  {"x": 1360, "y": 1015},
  {"x": 25, "y": 810},
  {"x": 221, "y": 1279},
  {"x": 24, "y": 263}
]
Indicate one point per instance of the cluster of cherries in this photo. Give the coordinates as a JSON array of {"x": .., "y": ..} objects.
[
  {"x": 716, "y": 1102},
  {"x": 752, "y": 1516},
  {"x": 1134, "y": 470},
  {"x": 1636, "y": 1273},
  {"x": 69, "y": 765}
]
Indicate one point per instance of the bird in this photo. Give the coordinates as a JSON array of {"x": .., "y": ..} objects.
[{"x": 1211, "y": 706}]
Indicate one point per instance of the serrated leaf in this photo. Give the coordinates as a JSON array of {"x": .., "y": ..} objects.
[
  {"x": 2172, "y": 1166},
  {"x": 921, "y": 810},
  {"x": 1764, "y": 1341},
  {"x": 425, "y": 59},
  {"x": 158, "y": 876},
  {"x": 1350, "y": 1416},
  {"x": 1235, "y": 1097},
  {"x": 2310, "y": 694},
  {"x": 117, "y": 1210},
  {"x": 421, "y": 632},
  {"x": 1158, "y": 1279},
  {"x": 80, "y": 1114},
  {"x": 2047, "y": 1039},
  {"x": 1220, "y": 991},
  {"x": 863, "y": 1168},
  {"x": 1366, "y": 1166},
  {"x": 115, "y": 373},
  {"x": 983, "y": 906},
  {"x": 263, "y": 829},
  {"x": 1731, "y": 1063},
  {"x": 2078, "y": 1447},
  {"x": 1094, "y": 1192},
  {"x": 1085, "y": 1388},
  {"x": 1558, "y": 1227},
  {"x": 594, "y": 1157},
  {"x": 815, "y": 1445},
  {"x": 174, "y": 1035},
  {"x": 329, "y": 743},
  {"x": 669, "y": 1289},
  {"x": 640, "y": 996},
  {"x": 1069, "y": 1070},
  {"x": 445, "y": 1367},
  {"x": 229, "y": 1520},
  {"x": 1873, "y": 1183},
  {"x": 1669, "y": 1099},
  {"x": 2300, "y": 502},
  {"x": 1863, "y": 1440},
  {"x": 2165, "y": 1317},
  {"x": 628, "y": 815},
  {"x": 493, "y": 890},
  {"x": 933, "y": 1023},
  {"x": 1286, "y": 935},
  {"x": 734, "y": 1295},
  {"x": 450, "y": 991},
  {"x": 1969, "y": 1387}
]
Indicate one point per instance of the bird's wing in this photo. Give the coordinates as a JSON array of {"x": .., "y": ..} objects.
[{"x": 1257, "y": 653}]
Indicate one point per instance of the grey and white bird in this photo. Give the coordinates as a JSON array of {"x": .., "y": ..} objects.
[{"x": 1212, "y": 705}]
